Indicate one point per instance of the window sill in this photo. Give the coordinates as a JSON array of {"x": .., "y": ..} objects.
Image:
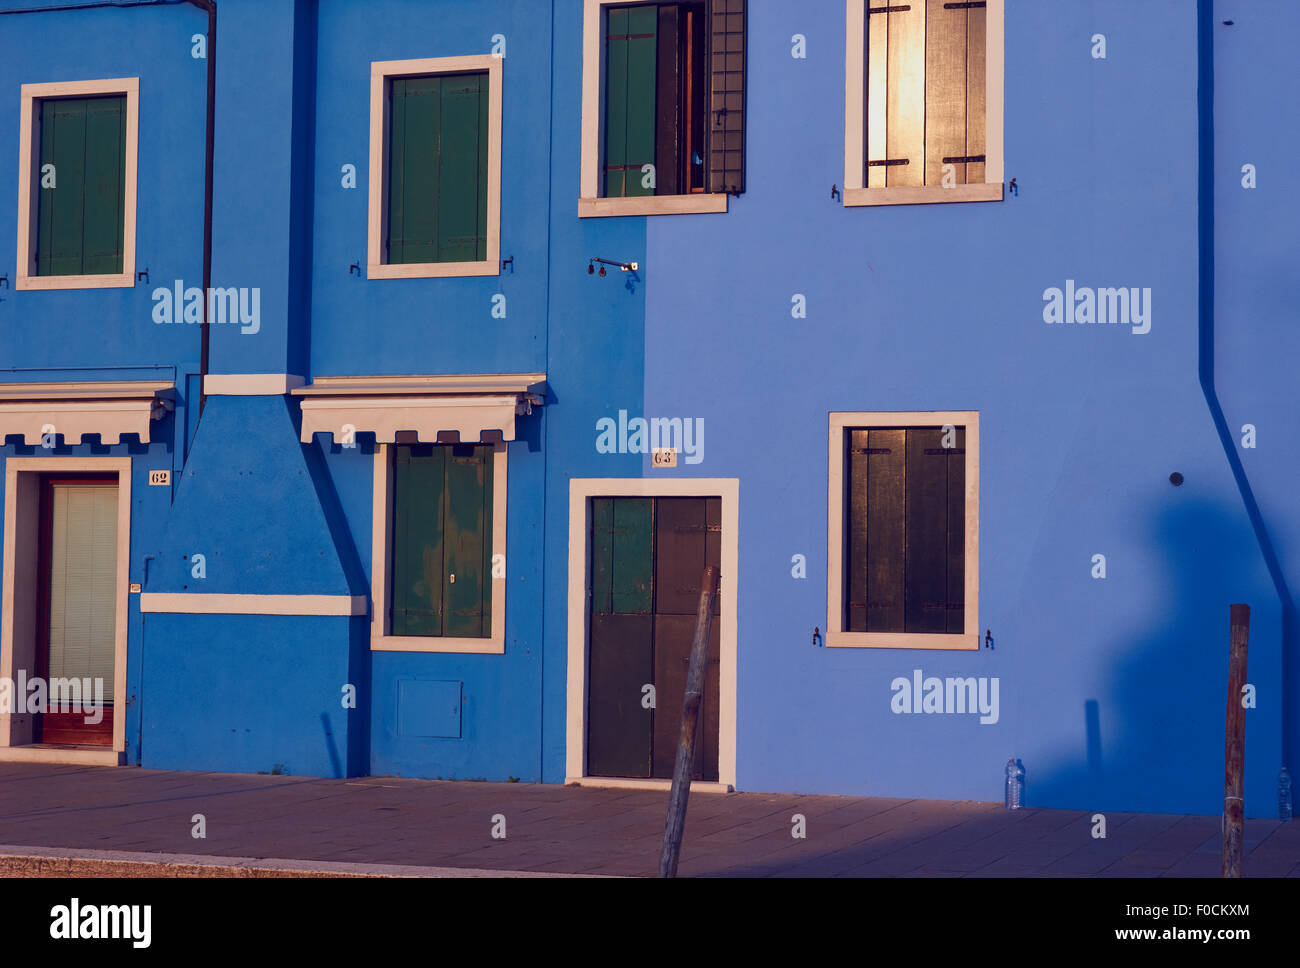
[
  {"x": 107, "y": 280},
  {"x": 652, "y": 205},
  {"x": 436, "y": 643},
  {"x": 902, "y": 640},
  {"x": 432, "y": 270},
  {"x": 922, "y": 194}
]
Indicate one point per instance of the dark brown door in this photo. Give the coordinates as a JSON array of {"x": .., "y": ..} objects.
[
  {"x": 647, "y": 558},
  {"x": 77, "y": 611}
]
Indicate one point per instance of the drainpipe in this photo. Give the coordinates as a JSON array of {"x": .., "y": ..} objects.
[
  {"x": 211, "y": 7},
  {"x": 1205, "y": 207}
]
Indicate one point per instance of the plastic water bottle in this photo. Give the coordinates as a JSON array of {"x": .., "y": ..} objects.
[
  {"x": 1284, "y": 795},
  {"x": 1015, "y": 772}
]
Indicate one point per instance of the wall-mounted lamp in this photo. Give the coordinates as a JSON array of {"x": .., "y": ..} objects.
[{"x": 625, "y": 266}]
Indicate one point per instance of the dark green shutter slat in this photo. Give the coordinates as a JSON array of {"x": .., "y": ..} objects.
[
  {"x": 886, "y": 531},
  {"x": 105, "y": 183},
  {"x": 926, "y": 578},
  {"x": 464, "y": 534},
  {"x": 420, "y": 171},
  {"x": 957, "y": 533},
  {"x": 632, "y": 591},
  {"x": 462, "y": 166},
  {"x": 396, "y": 170},
  {"x": 418, "y": 553},
  {"x": 66, "y": 200},
  {"x": 602, "y": 554},
  {"x": 616, "y": 47},
  {"x": 726, "y": 135}
]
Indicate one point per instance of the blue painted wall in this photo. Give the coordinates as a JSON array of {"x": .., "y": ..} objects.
[{"x": 1111, "y": 692}]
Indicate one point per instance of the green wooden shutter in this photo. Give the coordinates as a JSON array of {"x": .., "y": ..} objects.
[
  {"x": 631, "y": 52},
  {"x": 468, "y": 542},
  {"x": 418, "y": 579},
  {"x": 105, "y": 205},
  {"x": 437, "y": 176},
  {"x": 63, "y": 145},
  {"x": 726, "y": 127},
  {"x": 462, "y": 164},
  {"x": 80, "y": 220}
]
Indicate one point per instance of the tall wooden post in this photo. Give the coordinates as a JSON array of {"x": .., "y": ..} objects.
[
  {"x": 684, "y": 768},
  {"x": 1235, "y": 742}
]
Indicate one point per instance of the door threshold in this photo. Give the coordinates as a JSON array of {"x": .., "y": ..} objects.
[
  {"x": 637, "y": 783},
  {"x": 71, "y": 755}
]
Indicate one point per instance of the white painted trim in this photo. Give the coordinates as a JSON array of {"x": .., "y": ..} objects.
[
  {"x": 68, "y": 755},
  {"x": 11, "y": 628},
  {"x": 251, "y": 384},
  {"x": 696, "y": 204},
  {"x": 236, "y": 603},
  {"x": 29, "y": 147},
  {"x": 855, "y": 120},
  {"x": 425, "y": 416},
  {"x": 635, "y": 783},
  {"x": 381, "y": 528},
  {"x": 377, "y": 206},
  {"x": 581, "y": 491},
  {"x": 78, "y": 408},
  {"x": 591, "y": 204},
  {"x": 836, "y": 636},
  {"x": 459, "y": 383}
]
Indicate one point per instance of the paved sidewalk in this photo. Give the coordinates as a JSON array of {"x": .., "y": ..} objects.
[{"x": 356, "y": 824}]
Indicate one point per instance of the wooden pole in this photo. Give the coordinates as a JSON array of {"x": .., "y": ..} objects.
[
  {"x": 684, "y": 768},
  {"x": 1235, "y": 742}
]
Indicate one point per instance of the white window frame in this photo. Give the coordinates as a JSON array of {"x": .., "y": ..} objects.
[
  {"x": 380, "y": 73},
  {"x": 591, "y": 204},
  {"x": 855, "y": 120},
  {"x": 381, "y": 637},
  {"x": 18, "y": 623},
  {"x": 836, "y": 635},
  {"x": 29, "y": 164}
]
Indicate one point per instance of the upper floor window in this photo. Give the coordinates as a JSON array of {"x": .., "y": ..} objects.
[
  {"x": 663, "y": 116},
  {"x": 923, "y": 102},
  {"x": 435, "y": 167},
  {"x": 76, "y": 204}
]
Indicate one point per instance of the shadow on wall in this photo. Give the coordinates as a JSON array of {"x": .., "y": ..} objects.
[{"x": 1153, "y": 736}]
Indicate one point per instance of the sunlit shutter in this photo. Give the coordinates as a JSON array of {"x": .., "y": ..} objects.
[
  {"x": 105, "y": 206},
  {"x": 925, "y": 79}
]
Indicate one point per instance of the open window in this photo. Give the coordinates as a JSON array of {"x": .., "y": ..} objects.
[
  {"x": 663, "y": 107},
  {"x": 435, "y": 167},
  {"x": 923, "y": 102},
  {"x": 77, "y": 185},
  {"x": 904, "y": 530}
]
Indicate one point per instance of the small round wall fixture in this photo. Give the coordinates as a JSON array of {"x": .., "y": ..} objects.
[{"x": 1176, "y": 479}]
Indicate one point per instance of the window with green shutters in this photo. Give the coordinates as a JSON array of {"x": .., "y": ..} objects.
[
  {"x": 441, "y": 547},
  {"x": 674, "y": 99},
  {"x": 81, "y": 199},
  {"x": 437, "y": 168}
]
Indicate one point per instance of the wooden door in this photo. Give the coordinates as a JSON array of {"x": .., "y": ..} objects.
[
  {"x": 647, "y": 558},
  {"x": 78, "y": 608}
]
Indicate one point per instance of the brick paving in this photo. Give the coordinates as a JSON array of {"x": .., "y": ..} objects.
[{"x": 418, "y": 826}]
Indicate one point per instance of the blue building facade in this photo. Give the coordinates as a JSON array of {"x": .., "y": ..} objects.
[{"x": 788, "y": 295}]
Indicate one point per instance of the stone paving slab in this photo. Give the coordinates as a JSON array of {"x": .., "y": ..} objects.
[{"x": 54, "y": 818}]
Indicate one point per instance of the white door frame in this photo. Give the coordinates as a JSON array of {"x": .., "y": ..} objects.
[{"x": 581, "y": 491}]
